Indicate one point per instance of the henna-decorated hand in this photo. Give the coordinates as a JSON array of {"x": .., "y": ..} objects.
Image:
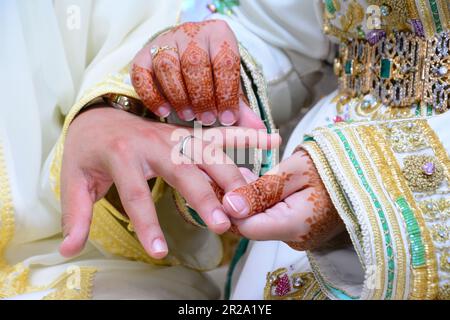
[
  {"x": 106, "y": 146},
  {"x": 197, "y": 74},
  {"x": 289, "y": 203}
]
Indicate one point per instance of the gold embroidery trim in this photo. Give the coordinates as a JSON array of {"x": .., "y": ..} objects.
[
  {"x": 424, "y": 283},
  {"x": 336, "y": 195},
  {"x": 397, "y": 238},
  {"x": 338, "y": 155}
]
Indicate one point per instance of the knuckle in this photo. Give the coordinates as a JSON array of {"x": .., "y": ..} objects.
[
  {"x": 206, "y": 197},
  {"x": 222, "y": 26},
  {"x": 136, "y": 195},
  {"x": 120, "y": 145}
]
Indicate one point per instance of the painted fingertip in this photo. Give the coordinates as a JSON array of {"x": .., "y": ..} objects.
[
  {"x": 238, "y": 204},
  {"x": 163, "y": 111},
  {"x": 188, "y": 114},
  {"x": 208, "y": 118},
  {"x": 227, "y": 118},
  {"x": 159, "y": 246}
]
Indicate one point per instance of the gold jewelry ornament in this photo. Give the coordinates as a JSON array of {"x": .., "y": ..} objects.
[{"x": 155, "y": 50}]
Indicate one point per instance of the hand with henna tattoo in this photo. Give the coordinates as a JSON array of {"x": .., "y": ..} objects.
[
  {"x": 290, "y": 203},
  {"x": 196, "y": 74}
]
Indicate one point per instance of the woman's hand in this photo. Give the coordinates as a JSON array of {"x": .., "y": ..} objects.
[
  {"x": 289, "y": 203},
  {"x": 194, "y": 69},
  {"x": 106, "y": 146}
]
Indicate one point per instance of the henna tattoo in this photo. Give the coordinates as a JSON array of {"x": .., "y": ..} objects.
[
  {"x": 191, "y": 29},
  {"x": 143, "y": 83},
  {"x": 197, "y": 75},
  {"x": 220, "y": 193},
  {"x": 226, "y": 67},
  {"x": 325, "y": 221},
  {"x": 168, "y": 72},
  {"x": 264, "y": 192}
]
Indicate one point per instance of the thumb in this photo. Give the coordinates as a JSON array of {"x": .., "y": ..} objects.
[
  {"x": 77, "y": 204},
  {"x": 292, "y": 175}
]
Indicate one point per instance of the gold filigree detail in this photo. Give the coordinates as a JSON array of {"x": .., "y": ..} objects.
[
  {"x": 435, "y": 210},
  {"x": 416, "y": 174},
  {"x": 405, "y": 136},
  {"x": 440, "y": 232}
]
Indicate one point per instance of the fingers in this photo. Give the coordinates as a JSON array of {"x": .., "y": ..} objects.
[
  {"x": 226, "y": 68},
  {"x": 248, "y": 118},
  {"x": 143, "y": 80},
  {"x": 305, "y": 220},
  {"x": 76, "y": 203},
  {"x": 293, "y": 174},
  {"x": 138, "y": 203},
  {"x": 191, "y": 182},
  {"x": 198, "y": 77},
  {"x": 168, "y": 73},
  {"x": 237, "y": 137}
]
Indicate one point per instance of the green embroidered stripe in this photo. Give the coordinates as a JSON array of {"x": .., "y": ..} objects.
[
  {"x": 418, "y": 110},
  {"x": 414, "y": 234},
  {"x": 429, "y": 110},
  {"x": 435, "y": 13},
  {"x": 196, "y": 217},
  {"x": 377, "y": 204}
]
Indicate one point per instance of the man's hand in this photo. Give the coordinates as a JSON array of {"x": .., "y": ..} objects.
[
  {"x": 194, "y": 69},
  {"x": 106, "y": 146},
  {"x": 289, "y": 203}
]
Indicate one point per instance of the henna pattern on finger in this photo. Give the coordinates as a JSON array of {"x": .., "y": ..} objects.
[
  {"x": 220, "y": 193},
  {"x": 197, "y": 75},
  {"x": 264, "y": 192},
  {"x": 143, "y": 83},
  {"x": 168, "y": 72},
  {"x": 226, "y": 68},
  {"x": 325, "y": 221},
  {"x": 191, "y": 29}
]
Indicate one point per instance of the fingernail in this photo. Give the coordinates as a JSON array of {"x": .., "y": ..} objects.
[
  {"x": 159, "y": 246},
  {"x": 227, "y": 118},
  {"x": 188, "y": 115},
  {"x": 164, "y": 111},
  {"x": 208, "y": 118},
  {"x": 66, "y": 238},
  {"x": 219, "y": 217},
  {"x": 238, "y": 203}
]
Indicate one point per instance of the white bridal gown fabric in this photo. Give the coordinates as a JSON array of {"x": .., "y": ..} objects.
[{"x": 51, "y": 52}]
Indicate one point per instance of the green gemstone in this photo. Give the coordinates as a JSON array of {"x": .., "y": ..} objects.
[
  {"x": 348, "y": 68},
  {"x": 330, "y": 6},
  {"x": 385, "y": 68}
]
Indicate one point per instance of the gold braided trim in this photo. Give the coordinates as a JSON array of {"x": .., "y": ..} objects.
[
  {"x": 426, "y": 18},
  {"x": 424, "y": 279},
  {"x": 6, "y": 209},
  {"x": 337, "y": 196},
  {"x": 75, "y": 284},
  {"x": 343, "y": 171},
  {"x": 113, "y": 236},
  {"x": 401, "y": 270}
]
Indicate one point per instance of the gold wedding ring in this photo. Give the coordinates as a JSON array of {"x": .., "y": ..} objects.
[{"x": 155, "y": 50}]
